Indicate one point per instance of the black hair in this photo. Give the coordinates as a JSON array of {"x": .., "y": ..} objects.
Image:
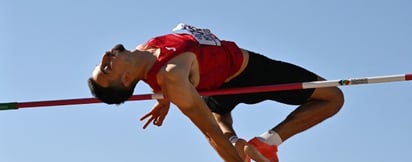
[{"x": 112, "y": 94}]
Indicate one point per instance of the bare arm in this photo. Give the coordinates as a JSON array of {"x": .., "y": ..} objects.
[{"x": 179, "y": 90}]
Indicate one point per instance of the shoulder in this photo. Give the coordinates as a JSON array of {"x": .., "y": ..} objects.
[
  {"x": 178, "y": 67},
  {"x": 184, "y": 57},
  {"x": 181, "y": 61}
]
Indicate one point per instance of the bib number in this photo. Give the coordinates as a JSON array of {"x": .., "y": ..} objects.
[{"x": 203, "y": 36}]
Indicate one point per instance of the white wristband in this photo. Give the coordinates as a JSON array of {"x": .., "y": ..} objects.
[{"x": 233, "y": 139}]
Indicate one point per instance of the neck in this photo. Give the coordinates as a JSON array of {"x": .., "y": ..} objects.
[{"x": 143, "y": 61}]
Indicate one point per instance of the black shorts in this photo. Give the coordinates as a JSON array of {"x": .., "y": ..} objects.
[{"x": 262, "y": 70}]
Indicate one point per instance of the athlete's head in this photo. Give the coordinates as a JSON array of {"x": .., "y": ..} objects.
[{"x": 110, "y": 81}]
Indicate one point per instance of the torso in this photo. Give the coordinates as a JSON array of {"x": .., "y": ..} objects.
[
  {"x": 242, "y": 67},
  {"x": 190, "y": 60}
]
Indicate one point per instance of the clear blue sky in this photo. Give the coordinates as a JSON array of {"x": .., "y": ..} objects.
[{"x": 49, "y": 48}]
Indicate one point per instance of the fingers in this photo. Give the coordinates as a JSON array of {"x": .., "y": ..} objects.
[
  {"x": 156, "y": 119},
  {"x": 147, "y": 123},
  {"x": 145, "y": 116},
  {"x": 156, "y": 116},
  {"x": 153, "y": 119},
  {"x": 161, "y": 118}
]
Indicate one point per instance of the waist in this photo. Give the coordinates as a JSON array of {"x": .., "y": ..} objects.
[{"x": 245, "y": 61}]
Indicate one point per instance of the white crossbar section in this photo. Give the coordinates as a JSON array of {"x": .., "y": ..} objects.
[{"x": 332, "y": 83}]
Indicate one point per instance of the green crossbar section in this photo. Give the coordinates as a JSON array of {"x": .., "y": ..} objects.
[{"x": 8, "y": 106}]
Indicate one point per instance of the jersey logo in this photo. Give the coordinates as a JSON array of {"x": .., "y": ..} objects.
[{"x": 171, "y": 49}]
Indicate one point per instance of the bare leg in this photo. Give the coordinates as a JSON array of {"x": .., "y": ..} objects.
[{"x": 324, "y": 103}]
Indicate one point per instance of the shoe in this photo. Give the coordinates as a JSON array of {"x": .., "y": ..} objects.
[{"x": 268, "y": 151}]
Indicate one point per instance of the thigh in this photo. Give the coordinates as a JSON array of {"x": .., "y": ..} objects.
[{"x": 265, "y": 71}]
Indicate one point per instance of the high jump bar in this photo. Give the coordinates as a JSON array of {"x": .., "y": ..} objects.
[{"x": 228, "y": 91}]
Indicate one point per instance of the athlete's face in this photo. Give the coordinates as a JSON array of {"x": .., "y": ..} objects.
[{"x": 111, "y": 66}]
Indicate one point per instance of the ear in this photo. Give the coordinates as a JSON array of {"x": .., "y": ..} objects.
[{"x": 126, "y": 79}]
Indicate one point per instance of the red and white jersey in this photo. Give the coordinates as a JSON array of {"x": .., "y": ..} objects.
[{"x": 216, "y": 63}]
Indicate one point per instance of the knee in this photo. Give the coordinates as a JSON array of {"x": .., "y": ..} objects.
[
  {"x": 332, "y": 94},
  {"x": 336, "y": 99}
]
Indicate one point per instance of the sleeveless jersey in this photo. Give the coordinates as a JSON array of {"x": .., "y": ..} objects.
[{"x": 216, "y": 63}]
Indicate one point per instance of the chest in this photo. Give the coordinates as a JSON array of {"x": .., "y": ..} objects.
[{"x": 185, "y": 65}]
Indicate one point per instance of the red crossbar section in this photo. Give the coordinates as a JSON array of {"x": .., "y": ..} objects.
[
  {"x": 256, "y": 89},
  {"x": 74, "y": 101},
  {"x": 408, "y": 77},
  {"x": 57, "y": 102}
]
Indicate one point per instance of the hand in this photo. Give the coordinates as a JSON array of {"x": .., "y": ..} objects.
[
  {"x": 240, "y": 147},
  {"x": 247, "y": 152},
  {"x": 158, "y": 113}
]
